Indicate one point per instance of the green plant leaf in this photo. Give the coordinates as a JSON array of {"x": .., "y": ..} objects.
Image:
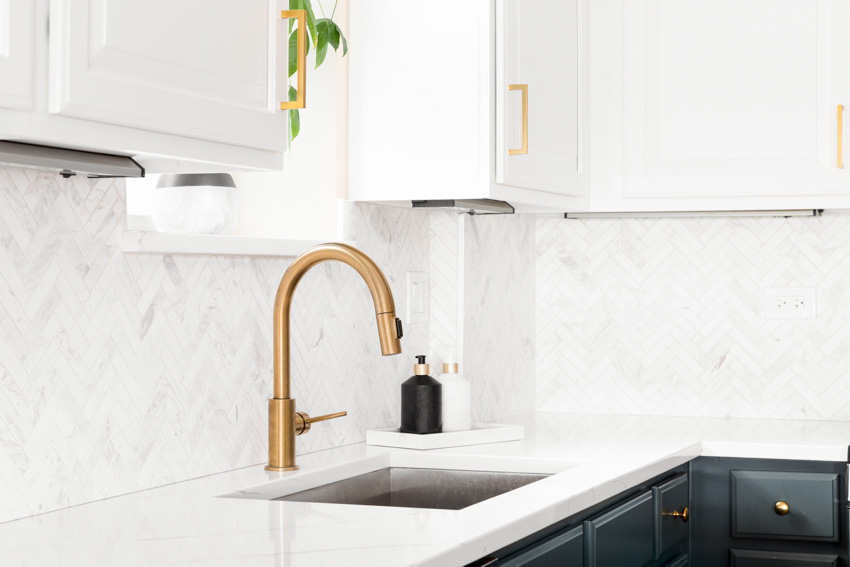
[
  {"x": 344, "y": 44},
  {"x": 322, "y": 45},
  {"x": 293, "y": 5},
  {"x": 307, "y": 6},
  {"x": 294, "y": 116},
  {"x": 334, "y": 34},
  {"x": 293, "y": 52}
]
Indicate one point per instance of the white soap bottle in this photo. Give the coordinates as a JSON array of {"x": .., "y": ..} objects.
[{"x": 457, "y": 399}]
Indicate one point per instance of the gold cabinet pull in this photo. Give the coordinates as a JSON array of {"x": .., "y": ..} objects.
[
  {"x": 781, "y": 508},
  {"x": 840, "y": 136},
  {"x": 684, "y": 514},
  {"x": 524, "y": 148},
  {"x": 300, "y": 100}
]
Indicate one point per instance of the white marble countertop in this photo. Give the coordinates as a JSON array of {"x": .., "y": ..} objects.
[{"x": 190, "y": 524}]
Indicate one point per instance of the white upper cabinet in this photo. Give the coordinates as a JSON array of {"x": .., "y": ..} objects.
[
  {"x": 725, "y": 104},
  {"x": 539, "y": 94},
  {"x": 193, "y": 68},
  {"x": 193, "y": 85},
  {"x": 17, "y": 29},
  {"x": 433, "y": 114}
]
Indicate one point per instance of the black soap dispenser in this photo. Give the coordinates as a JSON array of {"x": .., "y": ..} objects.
[{"x": 421, "y": 401}]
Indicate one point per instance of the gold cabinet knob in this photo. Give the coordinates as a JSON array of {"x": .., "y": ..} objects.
[
  {"x": 684, "y": 514},
  {"x": 303, "y": 420},
  {"x": 781, "y": 508}
]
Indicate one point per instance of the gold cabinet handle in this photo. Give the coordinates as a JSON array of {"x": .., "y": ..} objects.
[
  {"x": 684, "y": 514},
  {"x": 524, "y": 148},
  {"x": 303, "y": 420},
  {"x": 840, "y": 129},
  {"x": 781, "y": 508},
  {"x": 300, "y": 100}
]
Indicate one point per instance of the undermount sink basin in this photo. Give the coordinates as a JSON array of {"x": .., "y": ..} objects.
[
  {"x": 410, "y": 479},
  {"x": 417, "y": 488}
]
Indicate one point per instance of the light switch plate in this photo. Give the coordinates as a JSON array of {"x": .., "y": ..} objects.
[
  {"x": 790, "y": 302},
  {"x": 417, "y": 297}
]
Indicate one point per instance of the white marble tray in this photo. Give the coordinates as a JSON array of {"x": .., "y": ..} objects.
[{"x": 480, "y": 434}]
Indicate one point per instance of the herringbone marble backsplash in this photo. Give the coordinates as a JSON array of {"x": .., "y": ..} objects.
[
  {"x": 120, "y": 372},
  {"x": 499, "y": 314},
  {"x": 666, "y": 317}
]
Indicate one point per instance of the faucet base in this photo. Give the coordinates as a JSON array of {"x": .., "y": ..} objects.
[
  {"x": 281, "y": 435},
  {"x": 281, "y": 469}
]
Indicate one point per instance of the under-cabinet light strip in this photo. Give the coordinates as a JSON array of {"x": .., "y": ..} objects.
[{"x": 684, "y": 214}]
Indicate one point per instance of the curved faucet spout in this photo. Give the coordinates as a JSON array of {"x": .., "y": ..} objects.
[{"x": 282, "y": 418}]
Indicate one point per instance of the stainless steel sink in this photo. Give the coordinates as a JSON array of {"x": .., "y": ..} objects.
[{"x": 416, "y": 488}]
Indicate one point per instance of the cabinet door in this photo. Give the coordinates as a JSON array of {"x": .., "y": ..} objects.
[
  {"x": 198, "y": 68},
  {"x": 540, "y": 46},
  {"x": 621, "y": 537},
  {"x": 670, "y": 498},
  {"x": 734, "y": 98},
  {"x": 561, "y": 550},
  {"x": 17, "y": 35}
]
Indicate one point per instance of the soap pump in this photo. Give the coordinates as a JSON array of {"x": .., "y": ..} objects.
[
  {"x": 421, "y": 401},
  {"x": 457, "y": 398}
]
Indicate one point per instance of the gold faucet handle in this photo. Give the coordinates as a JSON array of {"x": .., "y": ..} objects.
[{"x": 303, "y": 420}]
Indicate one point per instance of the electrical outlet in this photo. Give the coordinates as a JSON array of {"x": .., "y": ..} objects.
[
  {"x": 417, "y": 297},
  {"x": 790, "y": 302}
]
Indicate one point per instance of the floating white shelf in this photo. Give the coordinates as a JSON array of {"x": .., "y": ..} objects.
[{"x": 162, "y": 243}]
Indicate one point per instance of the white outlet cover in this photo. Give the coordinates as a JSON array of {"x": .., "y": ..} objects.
[
  {"x": 790, "y": 302},
  {"x": 417, "y": 297}
]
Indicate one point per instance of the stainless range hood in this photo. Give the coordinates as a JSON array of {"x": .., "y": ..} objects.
[{"x": 68, "y": 162}]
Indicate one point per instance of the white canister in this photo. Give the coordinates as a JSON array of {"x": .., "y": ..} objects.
[{"x": 196, "y": 203}]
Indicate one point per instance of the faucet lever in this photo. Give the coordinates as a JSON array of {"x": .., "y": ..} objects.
[{"x": 303, "y": 420}]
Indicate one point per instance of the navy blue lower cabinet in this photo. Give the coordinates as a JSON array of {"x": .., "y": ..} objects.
[
  {"x": 621, "y": 537},
  {"x": 671, "y": 501},
  {"x": 751, "y": 558},
  {"x": 810, "y": 505},
  {"x": 565, "y": 549},
  {"x": 680, "y": 561},
  {"x": 640, "y": 527}
]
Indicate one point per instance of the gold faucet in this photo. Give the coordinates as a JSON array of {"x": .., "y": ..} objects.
[{"x": 284, "y": 422}]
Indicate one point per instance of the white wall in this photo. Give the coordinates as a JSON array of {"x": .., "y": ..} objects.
[{"x": 301, "y": 202}]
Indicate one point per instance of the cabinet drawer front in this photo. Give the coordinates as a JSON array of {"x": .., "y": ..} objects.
[
  {"x": 672, "y": 496},
  {"x": 621, "y": 537},
  {"x": 561, "y": 550},
  {"x": 812, "y": 500},
  {"x": 749, "y": 558}
]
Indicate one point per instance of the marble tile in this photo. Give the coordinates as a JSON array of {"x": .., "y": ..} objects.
[
  {"x": 499, "y": 314},
  {"x": 121, "y": 372},
  {"x": 666, "y": 317},
  {"x": 446, "y": 258}
]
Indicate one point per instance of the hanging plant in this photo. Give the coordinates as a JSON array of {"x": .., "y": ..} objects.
[{"x": 322, "y": 33}]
